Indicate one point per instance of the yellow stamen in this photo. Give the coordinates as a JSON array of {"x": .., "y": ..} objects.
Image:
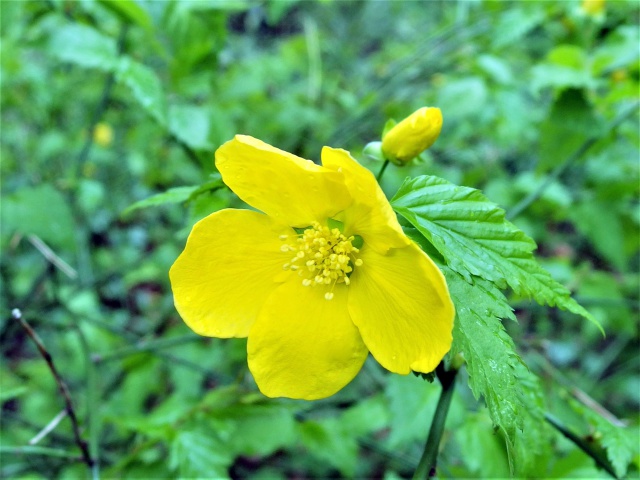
[{"x": 329, "y": 256}]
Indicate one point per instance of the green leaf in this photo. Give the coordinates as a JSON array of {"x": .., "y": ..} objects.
[
  {"x": 173, "y": 195},
  {"x": 177, "y": 195},
  {"x": 191, "y": 125},
  {"x": 259, "y": 429},
  {"x": 475, "y": 239},
  {"x": 463, "y": 98},
  {"x": 328, "y": 440},
  {"x": 84, "y": 46},
  {"x": 198, "y": 454},
  {"x": 515, "y": 23},
  {"x": 41, "y": 211},
  {"x": 570, "y": 123},
  {"x": 130, "y": 11},
  {"x": 496, "y": 372},
  {"x": 145, "y": 86},
  {"x": 602, "y": 224}
]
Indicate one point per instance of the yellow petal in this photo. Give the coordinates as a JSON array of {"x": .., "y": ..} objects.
[
  {"x": 370, "y": 215},
  {"x": 227, "y": 271},
  {"x": 304, "y": 346},
  {"x": 401, "y": 305},
  {"x": 290, "y": 189}
]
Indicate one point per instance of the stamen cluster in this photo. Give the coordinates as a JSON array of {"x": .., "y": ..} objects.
[{"x": 324, "y": 256}]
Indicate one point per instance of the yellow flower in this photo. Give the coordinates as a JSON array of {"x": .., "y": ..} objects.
[
  {"x": 103, "y": 134},
  {"x": 322, "y": 276},
  {"x": 413, "y": 135}
]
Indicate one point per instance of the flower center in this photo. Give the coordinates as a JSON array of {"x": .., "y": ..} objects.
[{"x": 323, "y": 256}]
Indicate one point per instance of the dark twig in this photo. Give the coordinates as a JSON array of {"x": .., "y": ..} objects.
[
  {"x": 585, "y": 446},
  {"x": 86, "y": 456}
]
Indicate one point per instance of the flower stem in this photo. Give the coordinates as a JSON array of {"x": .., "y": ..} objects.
[
  {"x": 427, "y": 465},
  {"x": 381, "y": 172}
]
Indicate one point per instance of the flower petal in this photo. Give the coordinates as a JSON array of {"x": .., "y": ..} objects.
[
  {"x": 370, "y": 215},
  {"x": 401, "y": 305},
  {"x": 226, "y": 272},
  {"x": 303, "y": 346},
  {"x": 290, "y": 189}
]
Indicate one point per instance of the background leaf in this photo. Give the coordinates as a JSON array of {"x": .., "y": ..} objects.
[
  {"x": 41, "y": 211},
  {"x": 84, "y": 46}
]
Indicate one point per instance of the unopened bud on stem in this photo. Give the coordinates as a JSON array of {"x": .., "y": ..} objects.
[{"x": 412, "y": 135}]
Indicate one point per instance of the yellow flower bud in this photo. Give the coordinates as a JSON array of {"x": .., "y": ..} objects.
[
  {"x": 412, "y": 135},
  {"x": 103, "y": 134},
  {"x": 593, "y": 8}
]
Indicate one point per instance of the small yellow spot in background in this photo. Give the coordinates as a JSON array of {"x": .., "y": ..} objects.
[
  {"x": 103, "y": 134},
  {"x": 593, "y": 8}
]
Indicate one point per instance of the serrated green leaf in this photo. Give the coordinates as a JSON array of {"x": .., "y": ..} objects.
[
  {"x": 129, "y": 11},
  {"x": 41, "y": 211},
  {"x": 84, "y": 46},
  {"x": 173, "y": 195},
  {"x": 475, "y": 239},
  {"x": 496, "y": 372},
  {"x": 144, "y": 85}
]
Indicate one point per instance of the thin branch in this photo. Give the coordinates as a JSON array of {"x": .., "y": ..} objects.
[
  {"x": 50, "y": 255},
  {"x": 190, "y": 152},
  {"x": 589, "y": 402},
  {"x": 49, "y": 428},
  {"x": 427, "y": 465},
  {"x": 86, "y": 456},
  {"x": 560, "y": 169},
  {"x": 580, "y": 442}
]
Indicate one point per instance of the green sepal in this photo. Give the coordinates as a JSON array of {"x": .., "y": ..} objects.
[
  {"x": 388, "y": 126},
  {"x": 333, "y": 223},
  {"x": 429, "y": 377},
  {"x": 357, "y": 241},
  {"x": 373, "y": 150}
]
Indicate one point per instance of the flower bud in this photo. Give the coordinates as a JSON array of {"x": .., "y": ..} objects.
[{"x": 412, "y": 135}]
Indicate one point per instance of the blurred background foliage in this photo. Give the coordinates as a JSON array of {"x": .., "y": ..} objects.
[{"x": 105, "y": 104}]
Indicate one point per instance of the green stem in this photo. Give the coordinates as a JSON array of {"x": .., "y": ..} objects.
[
  {"x": 150, "y": 346},
  {"x": 93, "y": 410},
  {"x": 100, "y": 108},
  {"x": 381, "y": 172},
  {"x": 559, "y": 170},
  {"x": 427, "y": 465},
  {"x": 35, "y": 450},
  {"x": 581, "y": 443}
]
